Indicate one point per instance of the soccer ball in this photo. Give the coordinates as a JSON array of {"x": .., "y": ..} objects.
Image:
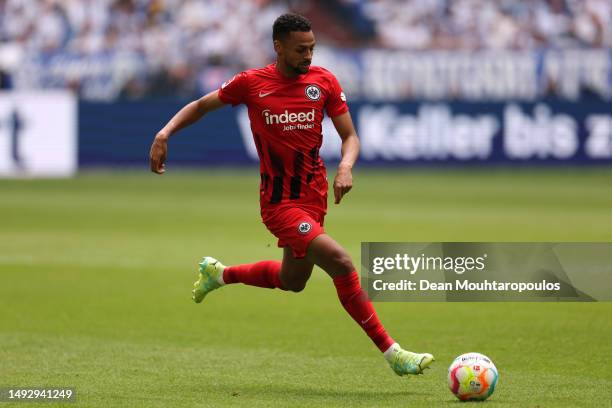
[{"x": 472, "y": 376}]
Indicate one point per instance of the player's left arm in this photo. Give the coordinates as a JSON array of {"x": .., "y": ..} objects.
[{"x": 350, "y": 151}]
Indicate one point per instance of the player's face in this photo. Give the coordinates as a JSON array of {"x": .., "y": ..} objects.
[{"x": 296, "y": 51}]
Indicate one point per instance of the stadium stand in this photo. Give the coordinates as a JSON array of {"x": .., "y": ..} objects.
[{"x": 109, "y": 49}]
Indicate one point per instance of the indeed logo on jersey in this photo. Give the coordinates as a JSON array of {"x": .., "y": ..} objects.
[{"x": 292, "y": 120}]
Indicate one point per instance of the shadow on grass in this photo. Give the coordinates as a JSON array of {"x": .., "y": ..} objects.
[
  {"x": 284, "y": 391},
  {"x": 292, "y": 394},
  {"x": 486, "y": 403}
]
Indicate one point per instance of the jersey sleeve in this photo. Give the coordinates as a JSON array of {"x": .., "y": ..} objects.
[
  {"x": 235, "y": 90},
  {"x": 336, "y": 100}
]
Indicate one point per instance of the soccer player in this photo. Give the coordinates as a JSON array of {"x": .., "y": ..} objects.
[{"x": 286, "y": 101}]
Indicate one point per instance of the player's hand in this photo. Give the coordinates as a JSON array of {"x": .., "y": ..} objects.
[
  {"x": 342, "y": 183},
  {"x": 157, "y": 156}
]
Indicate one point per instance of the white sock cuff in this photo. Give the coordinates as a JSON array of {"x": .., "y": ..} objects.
[
  {"x": 390, "y": 352},
  {"x": 220, "y": 278}
]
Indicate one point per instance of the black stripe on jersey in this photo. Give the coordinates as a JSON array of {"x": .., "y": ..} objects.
[
  {"x": 277, "y": 181},
  {"x": 314, "y": 155},
  {"x": 296, "y": 180},
  {"x": 265, "y": 177},
  {"x": 277, "y": 190},
  {"x": 276, "y": 161}
]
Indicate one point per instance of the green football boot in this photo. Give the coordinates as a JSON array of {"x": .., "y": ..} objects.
[
  {"x": 406, "y": 362},
  {"x": 211, "y": 274}
]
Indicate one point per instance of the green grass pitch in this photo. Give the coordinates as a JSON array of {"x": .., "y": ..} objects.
[{"x": 96, "y": 276}]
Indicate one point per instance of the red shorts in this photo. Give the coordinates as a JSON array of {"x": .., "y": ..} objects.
[{"x": 294, "y": 227}]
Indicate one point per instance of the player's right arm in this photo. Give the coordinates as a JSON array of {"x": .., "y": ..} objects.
[{"x": 188, "y": 115}]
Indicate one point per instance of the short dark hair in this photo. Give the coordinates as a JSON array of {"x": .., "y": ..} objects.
[{"x": 287, "y": 23}]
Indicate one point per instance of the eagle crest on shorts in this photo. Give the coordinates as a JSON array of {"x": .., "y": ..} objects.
[{"x": 304, "y": 228}]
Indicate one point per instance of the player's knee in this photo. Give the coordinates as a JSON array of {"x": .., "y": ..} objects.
[
  {"x": 297, "y": 286},
  {"x": 294, "y": 282}
]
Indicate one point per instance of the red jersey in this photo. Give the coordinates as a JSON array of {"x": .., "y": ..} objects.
[{"x": 286, "y": 116}]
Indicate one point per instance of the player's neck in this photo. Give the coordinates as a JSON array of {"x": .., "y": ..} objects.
[{"x": 286, "y": 71}]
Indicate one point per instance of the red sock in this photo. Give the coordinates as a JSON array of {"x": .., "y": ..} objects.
[
  {"x": 265, "y": 274},
  {"x": 357, "y": 304}
]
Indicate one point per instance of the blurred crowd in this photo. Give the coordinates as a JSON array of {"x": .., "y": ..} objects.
[
  {"x": 136, "y": 48},
  {"x": 489, "y": 24},
  {"x": 172, "y": 39}
]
